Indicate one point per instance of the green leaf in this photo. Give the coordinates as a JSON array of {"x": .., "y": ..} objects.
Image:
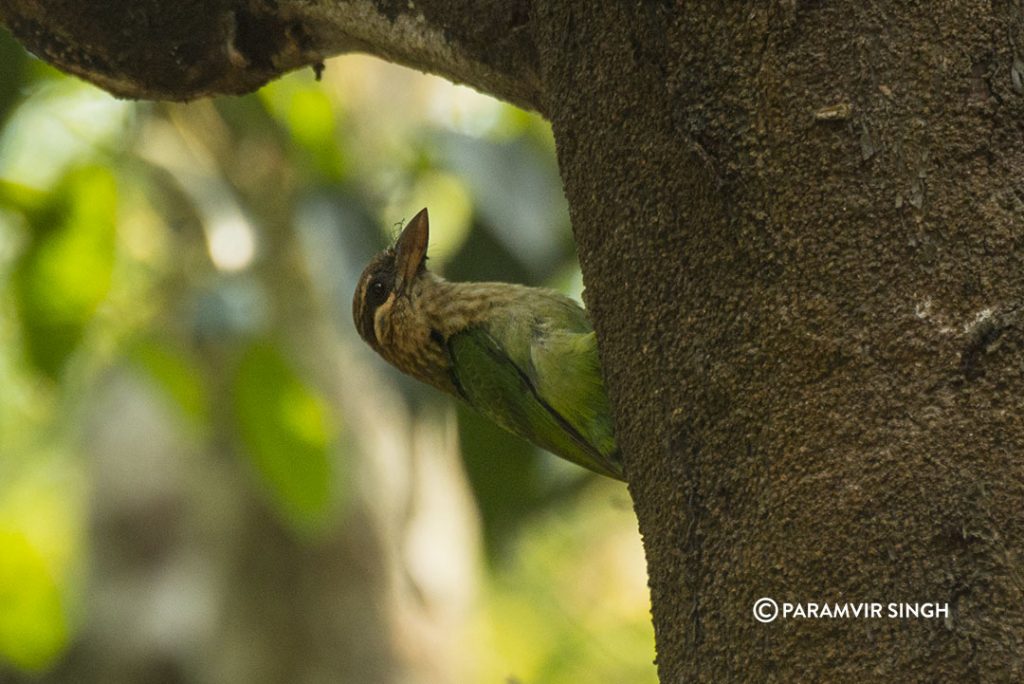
[
  {"x": 175, "y": 374},
  {"x": 33, "y": 626},
  {"x": 65, "y": 272},
  {"x": 287, "y": 431},
  {"x": 308, "y": 115},
  {"x": 21, "y": 197},
  {"x": 41, "y": 533}
]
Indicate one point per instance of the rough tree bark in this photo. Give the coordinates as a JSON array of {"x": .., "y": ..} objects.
[{"x": 800, "y": 226}]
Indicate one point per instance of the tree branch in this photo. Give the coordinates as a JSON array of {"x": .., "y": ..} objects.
[{"x": 193, "y": 48}]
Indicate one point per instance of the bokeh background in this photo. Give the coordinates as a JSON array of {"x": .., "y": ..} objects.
[{"x": 205, "y": 476}]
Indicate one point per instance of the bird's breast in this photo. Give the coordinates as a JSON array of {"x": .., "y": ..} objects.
[{"x": 422, "y": 352}]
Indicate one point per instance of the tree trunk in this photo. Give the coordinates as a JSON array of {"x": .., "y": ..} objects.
[
  {"x": 800, "y": 226},
  {"x": 801, "y": 234}
]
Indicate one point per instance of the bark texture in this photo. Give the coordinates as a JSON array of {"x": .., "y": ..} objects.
[
  {"x": 801, "y": 232},
  {"x": 183, "y": 50},
  {"x": 800, "y": 226}
]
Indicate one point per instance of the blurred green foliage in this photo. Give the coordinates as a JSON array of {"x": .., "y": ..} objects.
[
  {"x": 40, "y": 539},
  {"x": 174, "y": 373},
  {"x": 65, "y": 269},
  {"x": 286, "y": 428},
  {"x": 33, "y": 626},
  {"x": 209, "y": 252}
]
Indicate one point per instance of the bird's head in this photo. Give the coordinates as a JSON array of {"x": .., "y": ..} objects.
[{"x": 390, "y": 308}]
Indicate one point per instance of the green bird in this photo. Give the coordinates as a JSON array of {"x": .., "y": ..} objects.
[{"x": 524, "y": 357}]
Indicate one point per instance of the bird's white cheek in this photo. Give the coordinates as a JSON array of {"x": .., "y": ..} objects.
[{"x": 381, "y": 322}]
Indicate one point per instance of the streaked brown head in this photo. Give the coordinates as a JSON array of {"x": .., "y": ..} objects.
[{"x": 388, "y": 277}]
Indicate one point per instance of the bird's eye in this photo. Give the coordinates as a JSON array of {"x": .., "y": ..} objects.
[{"x": 376, "y": 293}]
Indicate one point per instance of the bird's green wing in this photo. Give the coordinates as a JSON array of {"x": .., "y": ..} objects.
[
  {"x": 567, "y": 373},
  {"x": 539, "y": 400}
]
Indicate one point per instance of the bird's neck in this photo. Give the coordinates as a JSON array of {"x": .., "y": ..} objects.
[
  {"x": 450, "y": 307},
  {"x": 434, "y": 310}
]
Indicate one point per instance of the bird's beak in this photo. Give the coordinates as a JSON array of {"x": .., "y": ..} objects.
[{"x": 411, "y": 250}]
